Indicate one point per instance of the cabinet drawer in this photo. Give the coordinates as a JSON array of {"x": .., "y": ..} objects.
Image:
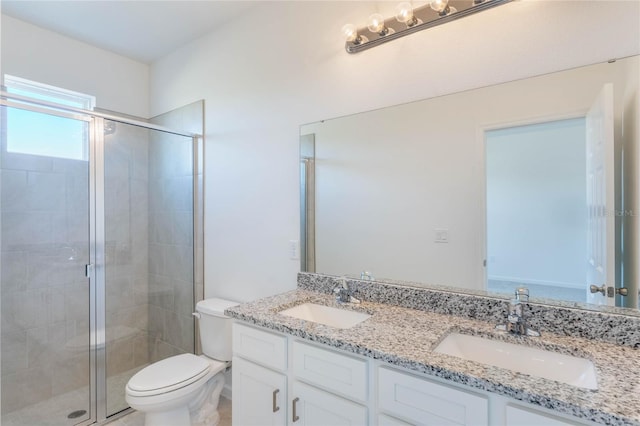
[
  {"x": 422, "y": 401},
  {"x": 260, "y": 346},
  {"x": 327, "y": 369},
  {"x": 521, "y": 416}
]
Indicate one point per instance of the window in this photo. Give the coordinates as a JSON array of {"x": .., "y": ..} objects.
[{"x": 42, "y": 134}]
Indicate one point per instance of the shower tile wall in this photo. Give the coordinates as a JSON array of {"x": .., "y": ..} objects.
[{"x": 45, "y": 311}]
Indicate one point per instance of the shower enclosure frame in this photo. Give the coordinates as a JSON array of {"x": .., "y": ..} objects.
[{"x": 95, "y": 269}]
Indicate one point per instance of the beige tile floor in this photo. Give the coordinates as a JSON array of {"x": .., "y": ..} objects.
[{"x": 137, "y": 418}]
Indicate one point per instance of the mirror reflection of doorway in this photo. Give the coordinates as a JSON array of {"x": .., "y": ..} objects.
[{"x": 536, "y": 209}]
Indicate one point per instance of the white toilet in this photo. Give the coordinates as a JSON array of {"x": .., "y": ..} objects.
[{"x": 184, "y": 390}]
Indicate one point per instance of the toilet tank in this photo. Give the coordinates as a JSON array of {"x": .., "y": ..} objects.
[{"x": 215, "y": 328}]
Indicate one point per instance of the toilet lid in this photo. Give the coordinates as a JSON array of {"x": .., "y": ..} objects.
[{"x": 174, "y": 372}]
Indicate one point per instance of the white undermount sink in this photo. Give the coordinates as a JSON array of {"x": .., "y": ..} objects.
[
  {"x": 327, "y": 315},
  {"x": 567, "y": 369}
]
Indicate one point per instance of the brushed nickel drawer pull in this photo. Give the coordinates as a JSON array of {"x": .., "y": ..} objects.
[
  {"x": 295, "y": 417},
  {"x": 275, "y": 407}
]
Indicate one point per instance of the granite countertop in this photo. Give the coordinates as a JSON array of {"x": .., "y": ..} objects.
[{"x": 406, "y": 338}]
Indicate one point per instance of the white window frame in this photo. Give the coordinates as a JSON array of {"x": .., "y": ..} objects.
[{"x": 40, "y": 90}]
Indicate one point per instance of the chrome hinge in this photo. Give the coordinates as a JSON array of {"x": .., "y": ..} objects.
[{"x": 88, "y": 270}]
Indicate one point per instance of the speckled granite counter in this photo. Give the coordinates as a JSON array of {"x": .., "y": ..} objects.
[{"x": 406, "y": 337}]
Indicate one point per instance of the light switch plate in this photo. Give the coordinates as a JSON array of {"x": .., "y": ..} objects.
[
  {"x": 294, "y": 249},
  {"x": 441, "y": 235}
]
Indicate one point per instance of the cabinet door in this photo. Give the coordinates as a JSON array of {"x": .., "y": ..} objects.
[
  {"x": 312, "y": 406},
  {"x": 259, "y": 395},
  {"x": 384, "y": 420}
]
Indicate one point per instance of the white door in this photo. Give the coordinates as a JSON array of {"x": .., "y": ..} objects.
[
  {"x": 600, "y": 197},
  {"x": 259, "y": 395}
]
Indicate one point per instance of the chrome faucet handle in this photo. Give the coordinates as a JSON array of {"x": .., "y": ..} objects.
[
  {"x": 516, "y": 321},
  {"x": 515, "y": 311},
  {"x": 343, "y": 292}
]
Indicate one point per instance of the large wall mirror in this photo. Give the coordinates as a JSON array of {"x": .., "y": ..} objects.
[{"x": 532, "y": 182}]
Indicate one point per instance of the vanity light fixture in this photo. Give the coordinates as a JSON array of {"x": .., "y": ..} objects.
[{"x": 409, "y": 20}]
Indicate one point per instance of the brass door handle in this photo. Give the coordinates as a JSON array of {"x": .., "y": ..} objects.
[{"x": 275, "y": 396}]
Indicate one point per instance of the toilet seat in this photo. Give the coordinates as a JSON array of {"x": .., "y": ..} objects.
[{"x": 171, "y": 374}]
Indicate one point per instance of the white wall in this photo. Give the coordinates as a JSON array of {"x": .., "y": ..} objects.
[
  {"x": 537, "y": 204},
  {"x": 283, "y": 64},
  {"x": 118, "y": 83}
]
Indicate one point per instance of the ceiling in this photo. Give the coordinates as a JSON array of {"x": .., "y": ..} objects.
[{"x": 144, "y": 30}]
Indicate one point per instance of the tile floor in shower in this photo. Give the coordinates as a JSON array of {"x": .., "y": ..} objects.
[{"x": 54, "y": 411}]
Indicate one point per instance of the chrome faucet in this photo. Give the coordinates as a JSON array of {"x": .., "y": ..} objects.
[
  {"x": 516, "y": 318},
  {"x": 343, "y": 292}
]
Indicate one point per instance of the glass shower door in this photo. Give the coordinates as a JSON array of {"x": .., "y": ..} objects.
[
  {"x": 149, "y": 262},
  {"x": 46, "y": 295}
]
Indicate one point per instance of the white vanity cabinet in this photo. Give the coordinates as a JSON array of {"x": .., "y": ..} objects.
[
  {"x": 259, "y": 377},
  {"x": 281, "y": 380},
  {"x": 278, "y": 381}
]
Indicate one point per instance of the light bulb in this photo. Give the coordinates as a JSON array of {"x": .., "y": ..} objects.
[
  {"x": 350, "y": 32},
  {"x": 404, "y": 14},
  {"x": 442, "y": 7},
  {"x": 376, "y": 24},
  {"x": 438, "y": 5}
]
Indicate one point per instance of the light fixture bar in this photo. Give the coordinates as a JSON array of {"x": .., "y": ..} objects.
[{"x": 426, "y": 17}]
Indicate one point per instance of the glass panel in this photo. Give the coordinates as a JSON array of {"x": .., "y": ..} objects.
[
  {"x": 45, "y": 339},
  {"x": 149, "y": 251},
  {"x": 30, "y": 133}
]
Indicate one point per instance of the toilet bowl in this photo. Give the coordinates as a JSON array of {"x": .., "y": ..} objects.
[{"x": 184, "y": 390}]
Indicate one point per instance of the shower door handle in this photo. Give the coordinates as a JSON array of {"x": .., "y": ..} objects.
[{"x": 88, "y": 270}]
